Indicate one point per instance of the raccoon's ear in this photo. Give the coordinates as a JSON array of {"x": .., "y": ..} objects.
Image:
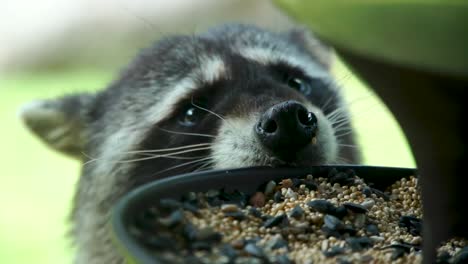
[
  {"x": 60, "y": 123},
  {"x": 319, "y": 50}
]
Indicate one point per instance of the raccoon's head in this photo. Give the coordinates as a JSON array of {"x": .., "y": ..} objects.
[{"x": 235, "y": 96}]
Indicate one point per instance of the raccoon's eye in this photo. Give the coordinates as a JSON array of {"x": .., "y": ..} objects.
[
  {"x": 193, "y": 111},
  {"x": 190, "y": 116},
  {"x": 299, "y": 84}
]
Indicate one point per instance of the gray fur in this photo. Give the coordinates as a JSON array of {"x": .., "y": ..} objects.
[{"x": 119, "y": 119}]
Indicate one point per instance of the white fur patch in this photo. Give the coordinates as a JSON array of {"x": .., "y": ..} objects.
[
  {"x": 212, "y": 68},
  {"x": 236, "y": 144},
  {"x": 270, "y": 56}
]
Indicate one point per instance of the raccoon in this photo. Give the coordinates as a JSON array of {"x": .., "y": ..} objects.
[{"x": 233, "y": 96}]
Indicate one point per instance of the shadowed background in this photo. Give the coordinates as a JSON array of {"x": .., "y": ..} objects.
[{"x": 54, "y": 47}]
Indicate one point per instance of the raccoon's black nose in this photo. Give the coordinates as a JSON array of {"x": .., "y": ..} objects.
[{"x": 286, "y": 128}]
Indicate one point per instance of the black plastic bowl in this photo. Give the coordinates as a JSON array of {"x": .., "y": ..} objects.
[{"x": 246, "y": 180}]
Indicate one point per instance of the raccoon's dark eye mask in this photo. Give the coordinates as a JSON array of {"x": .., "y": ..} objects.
[{"x": 297, "y": 79}]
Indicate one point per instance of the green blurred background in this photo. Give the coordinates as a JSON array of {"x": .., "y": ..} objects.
[{"x": 37, "y": 183}]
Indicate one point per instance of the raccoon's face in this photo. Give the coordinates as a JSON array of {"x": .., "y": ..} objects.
[
  {"x": 245, "y": 112},
  {"x": 235, "y": 96}
]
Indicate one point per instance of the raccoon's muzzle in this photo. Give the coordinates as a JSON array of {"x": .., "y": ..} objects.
[{"x": 286, "y": 128}]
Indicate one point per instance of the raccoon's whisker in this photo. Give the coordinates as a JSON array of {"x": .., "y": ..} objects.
[
  {"x": 151, "y": 152},
  {"x": 341, "y": 160},
  {"x": 343, "y": 110},
  {"x": 341, "y": 80},
  {"x": 359, "y": 99},
  {"x": 205, "y": 166},
  {"x": 145, "y": 20},
  {"x": 348, "y": 146},
  {"x": 185, "y": 133},
  {"x": 207, "y": 110},
  {"x": 331, "y": 84},
  {"x": 194, "y": 167},
  {"x": 338, "y": 82},
  {"x": 340, "y": 111},
  {"x": 213, "y": 113},
  {"x": 167, "y": 149},
  {"x": 337, "y": 113},
  {"x": 344, "y": 134},
  {"x": 326, "y": 104},
  {"x": 183, "y": 164},
  {"x": 343, "y": 125},
  {"x": 333, "y": 116},
  {"x": 173, "y": 157},
  {"x": 342, "y": 129},
  {"x": 340, "y": 122},
  {"x": 91, "y": 159},
  {"x": 164, "y": 155}
]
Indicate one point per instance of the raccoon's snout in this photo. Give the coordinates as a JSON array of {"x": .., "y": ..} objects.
[{"x": 286, "y": 128}]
